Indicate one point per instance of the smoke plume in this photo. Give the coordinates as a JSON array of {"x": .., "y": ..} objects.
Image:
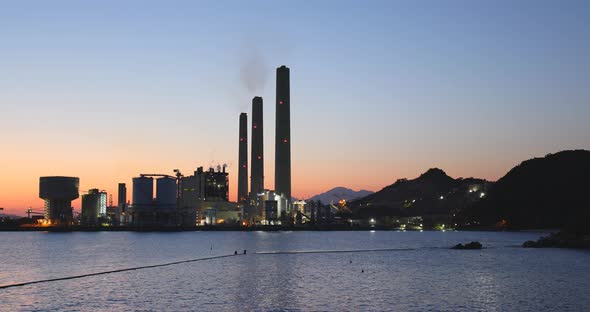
[{"x": 254, "y": 70}]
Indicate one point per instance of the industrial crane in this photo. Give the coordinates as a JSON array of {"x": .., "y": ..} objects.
[
  {"x": 178, "y": 186},
  {"x": 30, "y": 212}
]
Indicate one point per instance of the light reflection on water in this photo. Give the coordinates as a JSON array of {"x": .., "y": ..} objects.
[{"x": 431, "y": 277}]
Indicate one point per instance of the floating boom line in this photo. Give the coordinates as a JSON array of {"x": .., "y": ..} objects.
[{"x": 114, "y": 271}]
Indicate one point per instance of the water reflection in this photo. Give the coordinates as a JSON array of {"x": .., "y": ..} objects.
[{"x": 497, "y": 278}]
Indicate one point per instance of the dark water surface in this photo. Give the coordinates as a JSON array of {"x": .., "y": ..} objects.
[{"x": 427, "y": 277}]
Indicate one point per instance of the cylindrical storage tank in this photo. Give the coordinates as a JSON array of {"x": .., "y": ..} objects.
[
  {"x": 143, "y": 191},
  {"x": 166, "y": 191},
  {"x": 90, "y": 207},
  {"x": 58, "y": 193},
  {"x": 59, "y": 188}
]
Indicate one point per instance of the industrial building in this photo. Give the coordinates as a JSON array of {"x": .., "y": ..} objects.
[
  {"x": 58, "y": 193},
  {"x": 204, "y": 198},
  {"x": 207, "y": 185},
  {"x": 147, "y": 211},
  {"x": 219, "y": 212},
  {"x": 182, "y": 200},
  {"x": 122, "y": 203},
  {"x": 272, "y": 207},
  {"x": 94, "y": 207}
]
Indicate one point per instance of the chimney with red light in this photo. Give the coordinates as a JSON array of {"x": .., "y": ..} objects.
[
  {"x": 257, "y": 156},
  {"x": 283, "y": 134},
  {"x": 243, "y": 159}
]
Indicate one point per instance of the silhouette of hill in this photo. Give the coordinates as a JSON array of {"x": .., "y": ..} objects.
[
  {"x": 11, "y": 216},
  {"x": 547, "y": 192},
  {"x": 433, "y": 193},
  {"x": 336, "y": 194}
]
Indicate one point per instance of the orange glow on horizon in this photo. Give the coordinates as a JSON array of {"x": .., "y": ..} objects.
[
  {"x": 21, "y": 190},
  {"x": 104, "y": 163}
]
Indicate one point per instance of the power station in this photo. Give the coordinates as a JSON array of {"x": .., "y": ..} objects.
[
  {"x": 199, "y": 199},
  {"x": 269, "y": 206}
]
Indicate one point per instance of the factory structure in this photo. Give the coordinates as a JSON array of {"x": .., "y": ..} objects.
[
  {"x": 243, "y": 160},
  {"x": 198, "y": 199},
  {"x": 120, "y": 215},
  {"x": 283, "y": 134},
  {"x": 147, "y": 210},
  {"x": 204, "y": 198},
  {"x": 265, "y": 206},
  {"x": 58, "y": 193},
  {"x": 94, "y": 207}
]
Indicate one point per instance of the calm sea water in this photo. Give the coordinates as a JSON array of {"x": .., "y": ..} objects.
[{"x": 428, "y": 277}]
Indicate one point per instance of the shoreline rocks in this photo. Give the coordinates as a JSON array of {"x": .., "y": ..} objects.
[
  {"x": 560, "y": 240},
  {"x": 472, "y": 245}
]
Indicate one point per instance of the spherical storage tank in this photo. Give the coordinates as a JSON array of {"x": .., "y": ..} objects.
[
  {"x": 166, "y": 191},
  {"x": 143, "y": 191},
  {"x": 59, "y": 188}
]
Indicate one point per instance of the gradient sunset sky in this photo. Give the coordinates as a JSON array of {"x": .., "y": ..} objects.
[{"x": 380, "y": 90}]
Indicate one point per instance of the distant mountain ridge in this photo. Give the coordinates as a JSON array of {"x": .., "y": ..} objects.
[
  {"x": 3, "y": 215},
  {"x": 433, "y": 193},
  {"x": 336, "y": 194}
]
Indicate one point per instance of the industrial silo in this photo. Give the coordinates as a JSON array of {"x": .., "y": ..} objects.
[
  {"x": 166, "y": 191},
  {"x": 58, "y": 193},
  {"x": 143, "y": 191}
]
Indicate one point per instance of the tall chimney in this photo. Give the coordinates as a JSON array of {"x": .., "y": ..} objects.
[
  {"x": 283, "y": 134},
  {"x": 243, "y": 159},
  {"x": 257, "y": 157},
  {"x": 122, "y": 195}
]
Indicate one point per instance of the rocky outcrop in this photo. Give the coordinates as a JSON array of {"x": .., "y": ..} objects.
[
  {"x": 472, "y": 245},
  {"x": 560, "y": 240}
]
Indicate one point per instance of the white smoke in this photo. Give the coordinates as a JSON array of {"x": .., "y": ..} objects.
[{"x": 254, "y": 69}]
